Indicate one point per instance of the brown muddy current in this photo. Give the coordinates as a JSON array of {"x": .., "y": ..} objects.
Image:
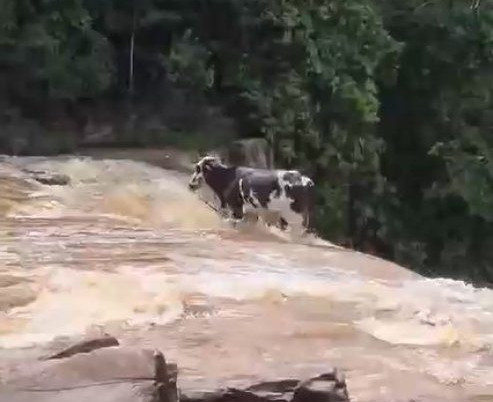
[{"x": 126, "y": 249}]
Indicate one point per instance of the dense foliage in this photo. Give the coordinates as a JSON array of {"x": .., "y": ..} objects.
[{"x": 387, "y": 104}]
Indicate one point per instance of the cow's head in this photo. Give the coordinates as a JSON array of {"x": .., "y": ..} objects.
[{"x": 200, "y": 169}]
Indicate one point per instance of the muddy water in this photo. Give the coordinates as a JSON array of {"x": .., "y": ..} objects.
[{"x": 126, "y": 249}]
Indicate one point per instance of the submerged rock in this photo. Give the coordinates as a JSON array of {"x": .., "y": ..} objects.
[{"x": 48, "y": 178}]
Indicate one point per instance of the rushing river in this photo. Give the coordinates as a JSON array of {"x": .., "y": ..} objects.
[{"x": 126, "y": 249}]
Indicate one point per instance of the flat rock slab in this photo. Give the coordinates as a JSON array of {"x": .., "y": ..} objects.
[
  {"x": 328, "y": 387},
  {"x": 115, "y": 374},
  {"x": 123, "y": 374}
]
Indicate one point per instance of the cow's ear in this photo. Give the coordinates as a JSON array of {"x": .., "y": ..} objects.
[{"x": 207, "y": 166}]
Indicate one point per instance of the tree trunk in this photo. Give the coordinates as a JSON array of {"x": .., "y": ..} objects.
[{"x": 131, "y": 58}]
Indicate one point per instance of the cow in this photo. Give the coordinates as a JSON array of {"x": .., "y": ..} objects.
[{"x": 242, "y": 189}]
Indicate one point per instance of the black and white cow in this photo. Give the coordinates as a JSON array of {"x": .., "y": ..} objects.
[{"x": 287, "y": 193}]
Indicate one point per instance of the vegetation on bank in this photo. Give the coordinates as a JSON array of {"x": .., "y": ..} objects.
[{"x": 387, "y": 104}]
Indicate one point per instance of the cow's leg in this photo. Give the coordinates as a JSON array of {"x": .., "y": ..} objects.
[
  {"x": 236, "y": 216},
  {"x": 294, "y": 221},
  {"x": 249, "y": 205},
  {"x": 283, "y": 224},
  {"x": 250, "y": 209},
  {"x": 237, "y": 206},
  {"x": 234, "y": 200},
  {"x": 254, "y": 209},
  {"x": 224, "y": 211},
  {"x": 267, "y": 216},
  {"x": 307, "y": 229},
  {"x": 249, "y": 198}
]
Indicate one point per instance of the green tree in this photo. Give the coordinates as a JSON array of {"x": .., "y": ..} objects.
[
  {"x": 435, "y": 122},
  {"x": 48, "y": 50}
]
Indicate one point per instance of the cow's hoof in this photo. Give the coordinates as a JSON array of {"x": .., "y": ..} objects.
[
  {"x": 223, "y": 212},
  {"x": 233, "y": 222}
]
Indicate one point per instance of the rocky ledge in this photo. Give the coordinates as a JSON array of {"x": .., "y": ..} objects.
[
  {"x": 102, "y": 370},
  {"x": 328, "y": 387}
]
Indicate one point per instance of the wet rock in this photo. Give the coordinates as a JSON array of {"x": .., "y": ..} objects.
[
  {"x": 230, "y": 395},
  {"x": 48, "y": 178},
  {"x": 253, "y": 152},
  {"x": 85, "y": 347},
  {"x": 165, "y": 384},
  {"x": 123, "y": 374},
  {"x": 281, "y": 390},
  {"x": 272, "y": 391},
  {"x": 330, "y": 387},
  {"x": 105, "y": 375}
]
